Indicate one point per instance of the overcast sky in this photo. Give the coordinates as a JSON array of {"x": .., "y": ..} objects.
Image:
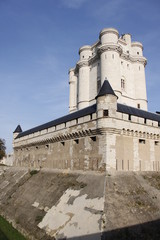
[{"x": 39, "y": 42}]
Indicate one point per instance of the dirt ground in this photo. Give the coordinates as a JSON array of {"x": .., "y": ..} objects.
[{"x": 120, "y": 205}]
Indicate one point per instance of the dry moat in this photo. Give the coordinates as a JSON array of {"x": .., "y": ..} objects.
[{"x": 50, "y": 204}]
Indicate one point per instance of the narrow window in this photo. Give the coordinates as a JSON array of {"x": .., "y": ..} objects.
[
  {"x": 129, "y": 117},
  {"x": 47, "y": 146},
  {"x": 105, "y": 113},
  {"x": 121, "y": 63},
  {"x": 128, "y": 51},
  {"x": 90, "y": 116},
  {"x": 139, "y": 68},
  {"x": 122, "y": 84},
  {"x": 36, "y": 147},
  {"x": 63, "y": 143},
  {"x": 113, "y": 56},
  {"x": 145, "y": 120},
  {"x": 138, "y": 105},
  {"x": 137, "y": 53},
  {"x": 105, "y": 56}
]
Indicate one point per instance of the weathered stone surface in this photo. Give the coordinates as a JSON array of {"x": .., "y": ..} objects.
[{"x": 49, "y": 204}]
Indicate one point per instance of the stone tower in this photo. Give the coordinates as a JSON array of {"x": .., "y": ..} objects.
[{"x": 115, "y": 58}]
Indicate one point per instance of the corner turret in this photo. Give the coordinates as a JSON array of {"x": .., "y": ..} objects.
[
  {"x": 106, "y": 101},
  {"x": 17, "y": 131}
]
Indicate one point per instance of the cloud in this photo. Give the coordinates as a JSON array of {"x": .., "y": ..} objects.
[{"x": 73, "y": 3}]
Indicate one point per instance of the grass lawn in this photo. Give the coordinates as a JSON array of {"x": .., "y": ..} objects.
[{"x": 7, "y": 232}]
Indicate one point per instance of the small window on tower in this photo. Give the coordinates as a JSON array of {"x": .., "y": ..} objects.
[
  {"x": 105, "y": 113},
  {"x": 122, "y": 84},
  {"x": 137, "y": 53},
  {"x": 113, "y": 56},
  {"x": 138, "y": 105}
]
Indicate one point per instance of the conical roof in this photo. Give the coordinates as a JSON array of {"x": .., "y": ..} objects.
[
  {"x": 106, "y": 89},
  {"x": 18, "y": 129}
]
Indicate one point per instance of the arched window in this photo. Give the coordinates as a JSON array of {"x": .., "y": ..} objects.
[{"x": 123, "y": 84}]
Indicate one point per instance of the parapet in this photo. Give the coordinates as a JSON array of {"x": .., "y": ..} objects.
[
  {"x": 109, "y": 35},
  {"x": 85, "y": 52}
]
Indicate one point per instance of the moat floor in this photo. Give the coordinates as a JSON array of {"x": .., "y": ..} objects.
[{"x": 54, "y": 204}]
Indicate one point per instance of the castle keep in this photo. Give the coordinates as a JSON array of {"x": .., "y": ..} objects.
[{"x": 109, "y": 126}]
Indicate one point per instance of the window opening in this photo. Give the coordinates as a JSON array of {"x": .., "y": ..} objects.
[
  {"x": 142, "y": 141},
  {"x": 105, "y": 113},
  {"x": 76, "y": 141},
  {"x": 94, "y": 139},
  {"x": 122, "y": 84},
  {"x": 156, "y": 143}
]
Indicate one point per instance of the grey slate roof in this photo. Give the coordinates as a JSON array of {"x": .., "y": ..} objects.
[
  {"x": 69, "y": 117},
  {"x": 106, "y": 89},
  {"x": 137, "y": 112},
  {"x": 18, "y": 129},
  {"x": 89, "y": 110}
]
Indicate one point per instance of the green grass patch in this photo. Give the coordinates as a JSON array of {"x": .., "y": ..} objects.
[{"x": 8, "y": 232}]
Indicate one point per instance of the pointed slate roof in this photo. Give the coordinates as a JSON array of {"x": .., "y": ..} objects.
[
  {"x": 18, "y": 129},
  {"x": 106, "y": 89}
]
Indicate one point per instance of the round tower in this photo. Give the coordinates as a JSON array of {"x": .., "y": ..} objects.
[
  {"x": 85, "y": 53},
  {"x": 109, "y": 56},
  {"x": 139, "y": 75},
  {"x": 137, "y": 49},
  {"x": 73, "y": 90},
  {"x": 108, "y": 35}
]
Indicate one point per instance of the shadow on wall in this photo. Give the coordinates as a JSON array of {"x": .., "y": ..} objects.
[{"x": 145, "y": 231}]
